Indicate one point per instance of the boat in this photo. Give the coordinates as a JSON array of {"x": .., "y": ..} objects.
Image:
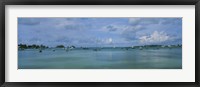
[
  {"x": 40, "y": 51},
  {"x": 140, "y": 48}
]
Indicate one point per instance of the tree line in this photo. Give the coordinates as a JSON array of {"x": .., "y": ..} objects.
[{"x": 34, "y": 46}]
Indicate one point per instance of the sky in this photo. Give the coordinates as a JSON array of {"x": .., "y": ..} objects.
[{"x": 100, "y": 32}]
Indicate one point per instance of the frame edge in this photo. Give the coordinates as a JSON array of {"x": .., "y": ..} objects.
[
  {"x": 2, "y": 43},
  {"x": 2, "y": 54},
  {"x": 197, "y": 36}
]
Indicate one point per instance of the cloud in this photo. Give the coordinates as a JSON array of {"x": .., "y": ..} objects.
[
  {"x": 143, "y": 21},
  {"x": 99, "y": 31},
  {"x": 72, "y": 27},
  {"x": 109, "y": 41},
  {"x": 28, "y": 21},
  {"x": 111, "y": 28},
  {"x": 66, "y": 24},
  {"x": 73, "y": 24},
  {"x": 177, "y": 21},
  {"x": 130, "y": 33},
  {"x": 151, "y": 21},
  {"x": 122, "y": 28},
  {"x": 156, "y": 38},
  {"x": 142, "y": 28}
]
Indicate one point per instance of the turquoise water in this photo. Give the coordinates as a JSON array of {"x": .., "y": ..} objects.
[{"x": 110, "y": 58}]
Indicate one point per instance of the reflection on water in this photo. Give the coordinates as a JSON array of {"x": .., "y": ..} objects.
[{"x": 117, "y": 58}]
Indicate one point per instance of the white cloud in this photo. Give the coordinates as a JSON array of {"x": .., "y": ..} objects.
[
  {"x": 66, "y": 24},
  {"x": 112, "y": 28},
  {"x": 109, "y": 41},
  {"x": 29, "y": 21},
  {"x": 104, "y": 41},
  {"x": 144, "y": 21},
  {"x": 155, "y": 37},
  {"x": 122, "y": 29},
  {"x": 92, "y": 32}
]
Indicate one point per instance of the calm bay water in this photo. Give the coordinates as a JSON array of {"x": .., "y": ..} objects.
[{"x": 162, "y": 58}]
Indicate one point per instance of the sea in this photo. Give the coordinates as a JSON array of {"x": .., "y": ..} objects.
[{"x": 101, "y": 58}]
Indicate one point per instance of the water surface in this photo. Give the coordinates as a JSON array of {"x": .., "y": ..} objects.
[{"x": 110, "y": 58}]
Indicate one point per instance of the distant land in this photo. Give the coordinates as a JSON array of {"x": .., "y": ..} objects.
[{"x": 34, "y": 46}]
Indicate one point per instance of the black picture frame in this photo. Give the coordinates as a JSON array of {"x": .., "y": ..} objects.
[{"x": 98, "y": 2}]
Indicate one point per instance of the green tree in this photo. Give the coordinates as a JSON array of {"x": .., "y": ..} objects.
[{"x": 60, "y": 46}]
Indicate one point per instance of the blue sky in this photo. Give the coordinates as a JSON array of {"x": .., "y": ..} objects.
[{"x": 103, "y": 32}]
